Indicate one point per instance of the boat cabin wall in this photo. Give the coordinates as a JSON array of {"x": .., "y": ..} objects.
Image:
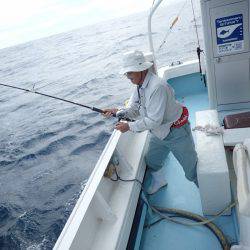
[{"x": 226, "y": 38}]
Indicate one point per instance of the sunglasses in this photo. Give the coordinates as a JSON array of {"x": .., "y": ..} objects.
[{"x": 128, "y": 74}]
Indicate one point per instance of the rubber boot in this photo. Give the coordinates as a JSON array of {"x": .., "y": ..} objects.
[{"x": 158, "y": 181}]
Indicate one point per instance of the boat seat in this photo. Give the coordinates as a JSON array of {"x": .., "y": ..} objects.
[
  {"x": 212, "y": 168},
  {"x": 237, "y": 128},
  {"x": 239, "y": 120}
]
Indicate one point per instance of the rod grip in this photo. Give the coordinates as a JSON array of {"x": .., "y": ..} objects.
[{"x": 97, "y": 110}]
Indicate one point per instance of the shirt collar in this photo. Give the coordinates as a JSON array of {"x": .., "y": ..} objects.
[{"x": 146, "y": 80}]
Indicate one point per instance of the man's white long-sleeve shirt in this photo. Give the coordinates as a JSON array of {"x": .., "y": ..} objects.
[{"x": 154, "y": 106}]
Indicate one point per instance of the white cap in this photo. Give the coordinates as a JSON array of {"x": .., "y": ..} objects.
[{"x": 134, "y": 61}]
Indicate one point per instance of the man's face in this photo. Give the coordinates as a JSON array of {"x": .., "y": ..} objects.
[{"x": 134, "y": 77}]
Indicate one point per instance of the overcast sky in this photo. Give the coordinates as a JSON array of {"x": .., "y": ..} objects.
[{"x": 25, "y": 20}]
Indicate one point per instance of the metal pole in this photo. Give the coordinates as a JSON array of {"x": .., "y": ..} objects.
[{"x": 151, "y": 45}]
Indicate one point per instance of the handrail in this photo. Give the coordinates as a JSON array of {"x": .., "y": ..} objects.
[{"x": 151, "y": 45}]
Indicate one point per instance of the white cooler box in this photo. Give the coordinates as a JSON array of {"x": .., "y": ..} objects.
[{"x": 212, "y": 168}]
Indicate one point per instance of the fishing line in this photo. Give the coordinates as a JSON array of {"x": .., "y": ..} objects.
[{"x": 171, "y": 26}]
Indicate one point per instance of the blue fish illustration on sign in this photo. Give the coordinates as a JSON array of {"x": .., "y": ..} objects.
[{"x": 223, "y": 32}]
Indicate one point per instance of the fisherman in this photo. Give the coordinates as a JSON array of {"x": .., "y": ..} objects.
[{"x": 153, "y": 107}]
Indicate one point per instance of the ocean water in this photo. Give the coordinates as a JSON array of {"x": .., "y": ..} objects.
[{"x": 49, "y": 148}]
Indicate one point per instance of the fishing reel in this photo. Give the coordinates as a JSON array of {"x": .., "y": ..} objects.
[{"x": 122, "y": 116}]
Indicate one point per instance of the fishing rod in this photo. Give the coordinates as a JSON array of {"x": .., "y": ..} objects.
[{"x": 64, "y": 100}]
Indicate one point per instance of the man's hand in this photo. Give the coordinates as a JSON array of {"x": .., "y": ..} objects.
[
  {"x": 109, "y": 112},
  {"x": 122, "y": 126}
]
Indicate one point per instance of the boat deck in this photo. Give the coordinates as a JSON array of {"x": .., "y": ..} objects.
[{"x": 180, "y": 193}]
